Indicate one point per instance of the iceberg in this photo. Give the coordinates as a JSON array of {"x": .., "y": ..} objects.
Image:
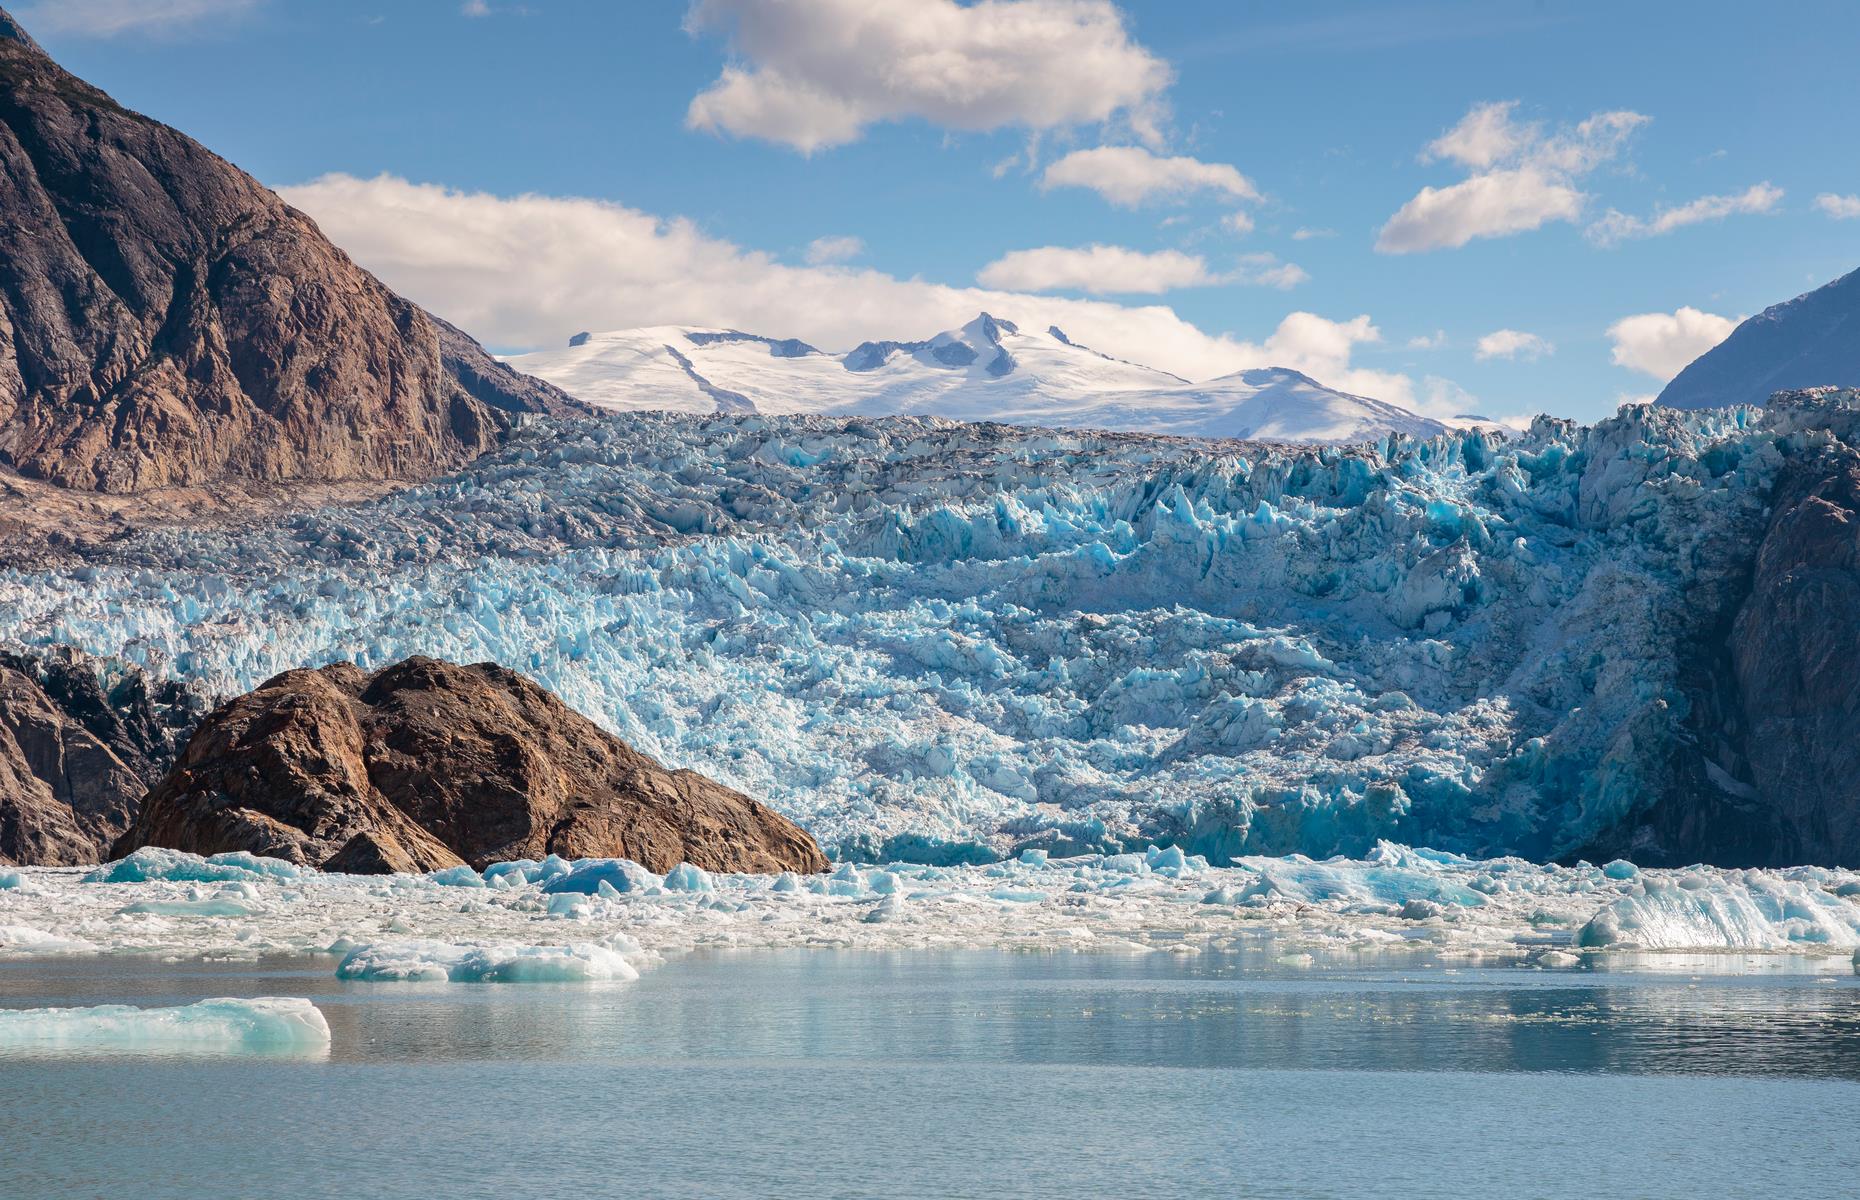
[
  {"x": 153, "y": 863},
  {"x": 1738, "y": 910},
  {"x": 426, "y": 961},
  {"x": 268, "y": 1023}
]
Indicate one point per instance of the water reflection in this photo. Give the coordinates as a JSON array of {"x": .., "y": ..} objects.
[{"x": 1239, "y": 1010}]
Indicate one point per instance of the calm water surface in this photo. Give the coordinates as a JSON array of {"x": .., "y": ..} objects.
[{"x": 847, "y": 1074}]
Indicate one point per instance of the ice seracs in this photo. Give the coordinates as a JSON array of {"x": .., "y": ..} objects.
[{"x": 990, "y": 369}]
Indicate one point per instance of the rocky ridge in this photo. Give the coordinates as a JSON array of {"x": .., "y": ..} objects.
[
  {"x": 166, "y": 321},
  {"x": 426, "y": 765}
]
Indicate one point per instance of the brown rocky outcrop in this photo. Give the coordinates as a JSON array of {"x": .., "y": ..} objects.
[
  {"x": 77, "y": 754},
  {"x": 426, "y": 764},
  {"x": 166, "y": 321}
]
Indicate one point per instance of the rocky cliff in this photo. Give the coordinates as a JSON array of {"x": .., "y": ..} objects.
[
  {"x": 428, "y": 764},
  {"x": 1766, "y": 771},
  {"x": 166, "y": 320},
  {"x": 80, "y": 742}
]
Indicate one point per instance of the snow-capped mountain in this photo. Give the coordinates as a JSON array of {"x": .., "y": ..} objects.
[{"x": 988, "y": 370}]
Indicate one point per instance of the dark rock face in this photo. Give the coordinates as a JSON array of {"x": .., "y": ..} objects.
[
  {"x": 1796, "y": 650},
  {"x": 426, "y": 764},
  {"x": 1767, "y": 770},
  {"x": 1810, "y": 341},
  {"x": 166, "y": 320},
  {"x": 77, "y": 752}
]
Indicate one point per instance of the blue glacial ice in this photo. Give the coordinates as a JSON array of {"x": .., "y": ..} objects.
[
  {"x": 154, "y": 862},
  {"x": 269, "y": 1023},
  {"x": 951, "y": 643}
]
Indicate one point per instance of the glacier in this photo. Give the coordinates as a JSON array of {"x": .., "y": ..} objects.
[{"x": 950, "y": 643}]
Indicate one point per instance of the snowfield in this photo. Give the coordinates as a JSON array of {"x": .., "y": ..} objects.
[
  {"x": 944, "y": 642},
  {"x": 988, "y": 370}
]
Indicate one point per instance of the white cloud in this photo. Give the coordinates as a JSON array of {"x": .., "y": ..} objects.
[
  {"x": 815, "y": 73},
  {"x": 1266, "y": 270},
  {"x": 1118, "y": 270},
  {"x": 526, "y": 271},
  {"x": 1522, "y": 178},
  {"x": 475, "y": 8},
  {"x": 1615, "y": 226},
  {"x": 1130, "y": 175},
  {"x": 1099, "y": 270},
  {"x": 1238, "y": 222},
  {"x": 1512, "y": 344},
  {"x": 834, "y": 249},
  {"x": 1841, "y": 208},
  {"x": 1661, "y": 344},
  {"x": 107, "y": 18},
  {"x": 1305, "y": 235},
  {"x": 1428, "y": 341}
]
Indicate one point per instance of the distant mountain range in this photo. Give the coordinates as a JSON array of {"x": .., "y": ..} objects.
[
  {"x": 989, "y": 370},
  {"x": 1810, "y": 341}
]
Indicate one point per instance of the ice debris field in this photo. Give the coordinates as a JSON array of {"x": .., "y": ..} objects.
[
  {"x": 603, "y": 921},
  {"x": 607, "y": 919},
  {"x": 948, "y": 643}
]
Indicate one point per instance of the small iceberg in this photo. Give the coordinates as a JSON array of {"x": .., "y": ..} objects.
[
  {"x": 152, "y": 863},
  {"x": 423, "y": 961},
  {"x": 224, "y": 1025}
]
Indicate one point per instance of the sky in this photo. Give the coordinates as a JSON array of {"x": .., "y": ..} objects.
[{"x": 1490, "y": 207}]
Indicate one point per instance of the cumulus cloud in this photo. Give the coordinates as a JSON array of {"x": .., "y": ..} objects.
[
  {"x": 834, "y": 249},
  {"x": 1614, "y": 227},
  {"x": 1521, "y": 177},
  {"x": 1265, "y": 270},
  {"x": 108, "y": 18},
  {"x": 1307, "y": 234},
  {"x": 1100, "y": 270},
  {"x": 1428, "y": 341},
  {"x": 1237, "y": 222},
  {"x": 525, "y": 271},
  {"x": 815, "y": 73},
  {"x": 1841, "y": 208},
  {"x": 1130, "y": 175},
  {"x": 1116, "y": 270},
  {"x": 1662, "y": 344},
  {"x": 1512, "y": 344}
]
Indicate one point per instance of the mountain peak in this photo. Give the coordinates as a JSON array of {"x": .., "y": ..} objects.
[
  {"x": 984, "y": 370},
  {"x": 12, "y": 31},
  {"x": 1810, "y": 341},
  {"x": 146, "y": 288}
]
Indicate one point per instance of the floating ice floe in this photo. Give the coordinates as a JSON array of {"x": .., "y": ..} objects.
[
  {"x": 269, "y": 1023},
  {"x": 417, "y": 961},
  {"x": 607, "y": 919}
]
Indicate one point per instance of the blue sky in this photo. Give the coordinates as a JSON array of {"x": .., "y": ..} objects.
[{"x": 928, "y": 144}]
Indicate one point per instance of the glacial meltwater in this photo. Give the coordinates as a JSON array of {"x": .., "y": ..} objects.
[{"x": 843, "y": 1073}]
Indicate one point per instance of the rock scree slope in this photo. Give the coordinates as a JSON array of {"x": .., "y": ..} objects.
[
  {"x": 427, "y": 764},
  {"x": 166, "y": 320}
]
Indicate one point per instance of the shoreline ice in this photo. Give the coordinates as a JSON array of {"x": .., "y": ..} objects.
[{"x": 515, "y": 922}]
